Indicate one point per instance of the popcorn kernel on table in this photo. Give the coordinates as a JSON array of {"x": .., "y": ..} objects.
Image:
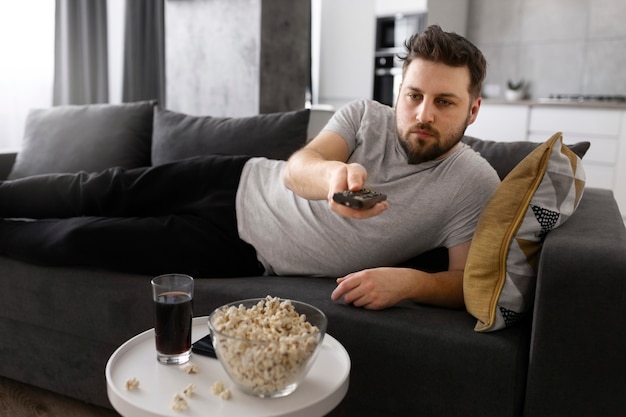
[
  {"x": 179, "y": 403},
  {"x": 189, "y": 390},
  {"x": 132, "y": 384},
  {"x": 191, "y": 368}
]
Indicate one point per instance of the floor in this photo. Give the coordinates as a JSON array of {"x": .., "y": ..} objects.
[{"x": 21, "y": 400}]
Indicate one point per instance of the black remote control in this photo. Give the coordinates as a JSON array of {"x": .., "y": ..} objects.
[
  {"x": 362, "y": 199},
  {"x": 204, "y": 347}
]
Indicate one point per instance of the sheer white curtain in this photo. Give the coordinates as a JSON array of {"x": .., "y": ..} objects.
[
  {"x": 83, "y": 33},
  {"x": 26, "y": 64},
  {"x": 27, "y": 56}
]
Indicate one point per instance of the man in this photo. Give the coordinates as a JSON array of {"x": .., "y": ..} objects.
[
  {"x": 220, "y": 215},
  {"x": 439, "y": 97}
]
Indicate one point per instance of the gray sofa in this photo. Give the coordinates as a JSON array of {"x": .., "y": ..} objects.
[{"x": 59, "y": 324}]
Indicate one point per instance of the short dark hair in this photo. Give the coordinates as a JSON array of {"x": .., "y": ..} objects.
[{"x": 448, "y": 48}]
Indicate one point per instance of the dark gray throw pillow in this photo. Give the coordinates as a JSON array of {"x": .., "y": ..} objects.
[
  {"x": 88, "y": 138},
  {"x": 273, "y": 135},
  {"x": 504, "y": 156}
]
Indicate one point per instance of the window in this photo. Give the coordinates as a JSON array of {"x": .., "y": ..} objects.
[{"x": 27, "y": 69}]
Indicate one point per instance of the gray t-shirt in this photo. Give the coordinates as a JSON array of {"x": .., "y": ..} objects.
[{"x": 433, "y": 204}]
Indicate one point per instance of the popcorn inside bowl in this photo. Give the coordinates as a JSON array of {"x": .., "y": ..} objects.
[{"x": 267, "y": 345}]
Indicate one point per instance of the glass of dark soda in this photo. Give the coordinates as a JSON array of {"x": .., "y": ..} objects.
[{"x": 173, "y": 298}]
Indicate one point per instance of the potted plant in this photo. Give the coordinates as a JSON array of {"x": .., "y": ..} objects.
[{"x": 514, "y": 90}]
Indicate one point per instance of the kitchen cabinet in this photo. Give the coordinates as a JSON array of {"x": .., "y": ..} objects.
[
  {"x": 501, "y": 123},
  {"x": 602, "y": 125}
]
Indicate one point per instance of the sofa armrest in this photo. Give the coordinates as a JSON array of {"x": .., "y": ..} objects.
[
  {"x": 7, "y": 160},
  {"x": 577, "y": 365}
]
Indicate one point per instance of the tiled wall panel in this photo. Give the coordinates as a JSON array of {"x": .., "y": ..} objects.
[{"x": 559, "y": 46}]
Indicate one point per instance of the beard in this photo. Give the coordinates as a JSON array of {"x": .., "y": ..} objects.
[{"x": 420, "y": 150}]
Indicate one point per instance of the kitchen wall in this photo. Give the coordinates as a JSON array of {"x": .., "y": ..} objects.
[
  {"x": 559, "y": 46},
  {"x": 344, "y": 66},
  {"x": 345, "y": 32},
  {"x": 215, "y": 62}
]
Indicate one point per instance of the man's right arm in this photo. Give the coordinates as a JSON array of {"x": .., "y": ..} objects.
[
  {"x": 311, "y": 170},
  {"x": 320, "y": 169}
]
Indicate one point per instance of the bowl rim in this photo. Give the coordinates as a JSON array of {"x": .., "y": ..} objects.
[{"x": 321, "y": 329}]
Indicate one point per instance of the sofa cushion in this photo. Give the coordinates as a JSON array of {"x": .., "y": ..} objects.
[
  {"x": 274, "y": 135},
  {"x": 85, "y": 138},
  {"x": 539, "y": 195},
  {"x": 504, "y": 156}
]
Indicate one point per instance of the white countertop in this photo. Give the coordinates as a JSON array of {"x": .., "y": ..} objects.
[{"x": 556, "y": 103}]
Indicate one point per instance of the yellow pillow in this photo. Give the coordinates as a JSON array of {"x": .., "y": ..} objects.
[{"x": 537, "y": 196}]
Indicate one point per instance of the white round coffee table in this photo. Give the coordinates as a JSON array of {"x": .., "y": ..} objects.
[{"x": 322, "y": 390}]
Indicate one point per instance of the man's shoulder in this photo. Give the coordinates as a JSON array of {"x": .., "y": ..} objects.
[
  {"x": 366, "y": 116},
  {"x": 474, "y": 165},
  {"x": 364, "y": 105},
  {"x": 469, "y": 155}
]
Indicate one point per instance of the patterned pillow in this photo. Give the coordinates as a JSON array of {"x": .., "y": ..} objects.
[{"x": 539, "y": 195}]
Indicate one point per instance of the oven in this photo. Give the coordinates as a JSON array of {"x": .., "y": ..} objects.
[
  {"x": 387, "y": 78},
  {"x": 391, "y": 33}
]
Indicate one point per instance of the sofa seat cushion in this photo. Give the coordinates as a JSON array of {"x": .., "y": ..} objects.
[
  {"x": 88, "y": 138},
  {"x": 274, "y": 135},
  {"x": 412, "y": 346}
]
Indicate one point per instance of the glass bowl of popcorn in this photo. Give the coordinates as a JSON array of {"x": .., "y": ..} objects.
[{"x": 267, "y": 345}]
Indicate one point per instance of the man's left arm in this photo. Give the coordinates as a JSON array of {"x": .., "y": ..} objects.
[{"x": 379, "y": 288}]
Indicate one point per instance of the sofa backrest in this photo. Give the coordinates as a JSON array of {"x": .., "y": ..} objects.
[
  {"x": 317, "y": 120},
  {"x": 503, "y": 156},
  {"x": 6, "y": 163}
]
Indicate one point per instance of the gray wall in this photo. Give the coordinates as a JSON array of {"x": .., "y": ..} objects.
[
  {"x": 242, "y": 57},
  {"x": 285, "y": 54},
  {"x": 236, "y": 57},
  {"x": 560, "y": 46}
]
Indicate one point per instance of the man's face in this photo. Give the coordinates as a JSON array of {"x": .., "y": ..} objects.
[{"x": 433, "y": 109}]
